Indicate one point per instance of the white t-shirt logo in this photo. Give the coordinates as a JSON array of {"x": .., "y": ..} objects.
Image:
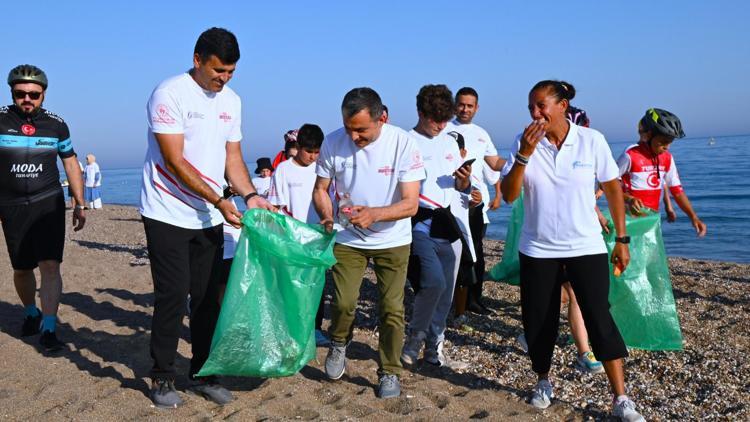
[
  {"x": 163, "y": 115},
  {"x": 386, "y": 170},
  {"x": 416, "y": 160},
  {"x": 225, "y": 117}
]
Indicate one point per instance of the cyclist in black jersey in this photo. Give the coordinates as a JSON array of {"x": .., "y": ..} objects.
[{"x": 32, "y": 208}]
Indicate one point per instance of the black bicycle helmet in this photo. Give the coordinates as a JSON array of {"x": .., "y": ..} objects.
[
  {"x": 663, "y": 122},
  {"x": 26, "y": 73}
]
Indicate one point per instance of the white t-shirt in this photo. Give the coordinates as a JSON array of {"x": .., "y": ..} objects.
[
  {"x": 371, "y": 177},
  {"x": 441, "y": 159},
  {"x": 208, "y": 121},
  {"x": 559, "y": 216},
  {"x": 262, "y": 185},
  {"x": 92, "y": 176},
  {"x": 478, "y": 145},
  {"x": 292, "y": 188}
]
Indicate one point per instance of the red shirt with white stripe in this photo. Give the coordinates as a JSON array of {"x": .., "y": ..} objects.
[{"x": 643, "y": 174}]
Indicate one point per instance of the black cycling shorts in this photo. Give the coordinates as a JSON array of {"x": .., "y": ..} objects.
[{"x": 34, "y": 232}]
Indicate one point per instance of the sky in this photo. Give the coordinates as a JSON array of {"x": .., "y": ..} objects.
[{"x": 299, "y": 58}]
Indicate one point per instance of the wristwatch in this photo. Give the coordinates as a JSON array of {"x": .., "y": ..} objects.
[
  {"x": 623, "y": 239},
  {"x": 249, "y": 195}
]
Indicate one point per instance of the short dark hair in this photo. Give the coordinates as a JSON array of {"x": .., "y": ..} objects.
[
  {"x": 359, "y": 99},
  {"x": 310, "y": 136},
  {"x": 561, "y": 90},
  {"x": 435, "y": 102},
  {"x": 220, "y": 43},
  {"x": 467, "y": 90}
]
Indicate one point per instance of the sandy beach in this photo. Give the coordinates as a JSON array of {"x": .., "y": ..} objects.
[{"x": 105, "y": 318}]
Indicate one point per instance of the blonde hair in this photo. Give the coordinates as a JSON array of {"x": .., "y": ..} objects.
[{"x": 92, "y": 157}]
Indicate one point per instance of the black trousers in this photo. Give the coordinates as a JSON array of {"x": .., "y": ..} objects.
[
  {"x": 478, "y": 230},
  {"x": 183, "y": 261},
  {"x": 540, "y": 305}
]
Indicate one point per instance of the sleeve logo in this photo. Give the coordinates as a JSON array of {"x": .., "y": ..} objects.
[{"x": 162, "y": 115}]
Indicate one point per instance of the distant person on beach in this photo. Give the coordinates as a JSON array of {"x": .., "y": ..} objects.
[
  {"x": 292, "y": 188},
  {"x": 193, "y": 142},
  {"x": 32, "y": 204},
  {"x": 479, "y": 146},
  {"x": 558, "y": 164},
  {"x": 92, "y": 179},
  {"x": 290, "y": 148},
  {"x": 377, "y": 169},
  {"x": 264, "y": 170},
  {"x": 436, "y": 235},
  {"x": 648, "y": 165}
]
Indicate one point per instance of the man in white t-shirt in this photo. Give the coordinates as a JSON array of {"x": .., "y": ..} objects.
[
  {"x": 436, "y": 235},
  {"x": 193, "y": 142},
  {"x": 376, "y": 169},
  {"x": 479, "y": 146},
  {"x": 264, "y": 171}
]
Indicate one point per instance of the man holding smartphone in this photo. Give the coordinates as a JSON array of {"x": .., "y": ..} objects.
[
  {"x": 436, "y": 236},
  {"x": 478, "y": 146}
]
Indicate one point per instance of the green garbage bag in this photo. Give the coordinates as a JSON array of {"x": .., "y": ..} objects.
[
  {"x": 508, "y": 269},
  {"x": 267, "y": 320},
  {"x": 641, "y": 299}
]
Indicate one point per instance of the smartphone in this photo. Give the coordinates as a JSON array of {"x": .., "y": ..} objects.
[{"x": 469, "y": 162}]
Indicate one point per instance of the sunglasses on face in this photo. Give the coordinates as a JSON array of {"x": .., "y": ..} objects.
[{"x": 20, "y": 95}]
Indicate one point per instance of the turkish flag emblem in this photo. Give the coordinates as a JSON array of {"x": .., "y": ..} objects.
[{"x": 28, "y": 130}]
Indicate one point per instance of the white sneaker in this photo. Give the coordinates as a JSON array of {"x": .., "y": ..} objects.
[
  {"x": 625, "y": 410},
  {"x": 521, "y": 339},
  {"x": 541, "y": 395}
]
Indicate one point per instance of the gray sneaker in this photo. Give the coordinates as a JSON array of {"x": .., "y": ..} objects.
[
  {"x": 389, "y": 387},
  {"x": 164, "y": 395},
  {"x": 335, "y": 361},
  {"x": 412, "y": 346},
  {"x": 541, "y": 395},
  {"x": 625, "y": 410},
  {"x": 436, "y": 356},
  {"x": 210, "y": 389}
]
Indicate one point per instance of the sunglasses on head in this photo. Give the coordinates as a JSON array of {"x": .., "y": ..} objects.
[{"x": 20, "y": 95}]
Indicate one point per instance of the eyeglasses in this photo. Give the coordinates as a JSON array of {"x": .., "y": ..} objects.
[{"x": 20, "y": 95}]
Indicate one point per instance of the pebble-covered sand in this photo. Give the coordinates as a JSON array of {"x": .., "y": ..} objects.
[{"x": 105, "y": 319}]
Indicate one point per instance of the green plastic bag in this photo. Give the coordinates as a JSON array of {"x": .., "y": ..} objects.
[
  {"x": 267, "y": 320},
  {"x": 641, "y": 299},
  {"x": 508, "y": 269}
]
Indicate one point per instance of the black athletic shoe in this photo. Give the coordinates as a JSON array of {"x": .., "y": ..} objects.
[
  {"x": 210, "y": 389},
  {"x": 164, "y": 395},
  {"x": 50, "y": 343},
  {"x": 32, "y": 324}
]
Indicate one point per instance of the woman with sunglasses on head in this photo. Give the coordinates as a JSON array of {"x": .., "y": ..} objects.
[{"x": 558, "y": 163}]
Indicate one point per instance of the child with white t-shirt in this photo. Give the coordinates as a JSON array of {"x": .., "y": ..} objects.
[{"x": 291, "y": 190}]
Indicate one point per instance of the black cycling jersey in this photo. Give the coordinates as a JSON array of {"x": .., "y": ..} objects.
[{"x": 29, "y": 146}]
